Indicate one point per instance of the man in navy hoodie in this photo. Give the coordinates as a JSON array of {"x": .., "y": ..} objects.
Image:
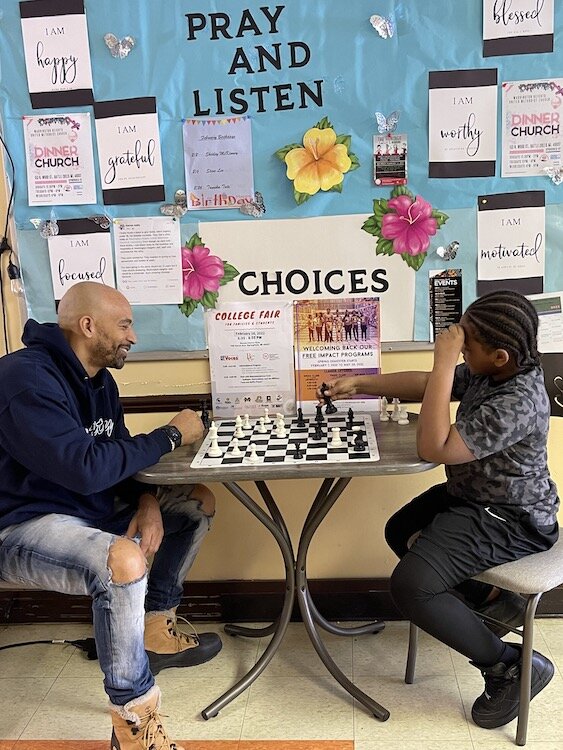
[{"x": 73, "y": 520}]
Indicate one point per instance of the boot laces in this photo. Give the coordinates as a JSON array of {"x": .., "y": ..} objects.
[
  {"x": 154, "y": 736},
  {"x": 494, "y": 684},
  {"x": 183, "y": 640}
]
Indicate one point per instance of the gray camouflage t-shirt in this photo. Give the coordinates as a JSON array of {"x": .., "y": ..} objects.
[{"x": 505, "y": 426}]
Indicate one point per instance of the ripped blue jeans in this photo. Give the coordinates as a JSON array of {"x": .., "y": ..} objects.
[{"x": 62, "y": 553}]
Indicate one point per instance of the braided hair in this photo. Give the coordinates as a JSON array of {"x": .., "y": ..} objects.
[{"x": 507, "y": 320}]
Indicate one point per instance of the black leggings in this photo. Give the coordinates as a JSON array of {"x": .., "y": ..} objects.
[{"x": 457, "y": 541}]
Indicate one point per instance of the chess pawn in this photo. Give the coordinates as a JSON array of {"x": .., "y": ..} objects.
[
  {"x": 396, "y": 410},
  {"x": 403, "y": 417},
  {"x": 246, "y": 425},
  {"x": 267, "y": 419},
  {"x": 239, "y": 432},
  {"x": 235, "y": 450},
  {"x": 253, "y": 456},
  {"x": 261, "y": 426}
]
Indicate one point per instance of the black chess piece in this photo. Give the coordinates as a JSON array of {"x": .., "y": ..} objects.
[
  {"x": 330, "y": 407},
  {"x": 359, "y": 444},
  {"x": 318, "y": 434},
  {"x": 319, "y": 419},
  {"x": 297, "y": 453},
  {"x": 350, "y": 419},
  {"x": 205, "y": 418},
  {"x": 300, "y": 419}
]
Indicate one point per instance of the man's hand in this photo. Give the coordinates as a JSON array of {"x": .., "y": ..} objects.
[
  {"x": 147, "y": 523},
  {"x": 448, "y": 346},
  {"x": 189, "y": 424}
]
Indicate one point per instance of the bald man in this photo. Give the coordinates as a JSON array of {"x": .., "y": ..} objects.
[{"x": 73, "y": 520}]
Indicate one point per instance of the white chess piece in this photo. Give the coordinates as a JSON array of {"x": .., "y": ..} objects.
[
  {"x": 336, "y": 440},
  {"x": 383, "y": 414},
  {"x": 253, "y": 456},
  {"x": 212, "y": 430},
  {"x": 238, "y": 421},
  {"x": 280, "y": 430},
  {"x": 396, "y": 410},
  {"x": 239, "y": 432},
  {"x": 246, "y": 422},
  {"x": 214, "y": 450},
  {"x": 403, "y": 417},
  {"x": 267, "y": 419},
  {"x": 261, "y": 426},
  {"x": 235, "y": 450}
]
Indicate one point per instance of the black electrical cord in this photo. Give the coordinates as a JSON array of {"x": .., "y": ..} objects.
[
  {"x": 4, "y": 245},
  {"x": 85, "y": 644}
]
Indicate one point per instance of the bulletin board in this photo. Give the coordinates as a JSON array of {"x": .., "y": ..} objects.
[{"x": 288, "y": 68}]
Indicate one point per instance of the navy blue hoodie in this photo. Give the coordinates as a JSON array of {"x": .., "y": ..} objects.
[{"x": 64, "y": 446}]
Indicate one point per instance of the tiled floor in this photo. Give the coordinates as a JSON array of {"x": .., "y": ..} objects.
[{"x": 51, "y": 696}]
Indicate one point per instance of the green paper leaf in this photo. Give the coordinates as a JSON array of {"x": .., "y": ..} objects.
[
  {"x": 300, "y": 197},
  {"x": 281, "y": 153},
  {"x": 323, "y": 124},
  {"x": 384, "y": 247},
  {"x": 230, "y": 273},
  {"x": 440, "y": 217},
  {"x": 209, "y": 299},
  {"x": 401, "y": 190},
  {"x": 346, "y": 140},
  {"x": 372, "y": 226},
  {"x": 188, "y": 306},
  {"x": 380, "y": 208},
  {"x": 414, "y": 261},
  {"x": 194, "y": 240},
  {"x": 355, "y": 162},
  {"x": 336, "y": 188}
]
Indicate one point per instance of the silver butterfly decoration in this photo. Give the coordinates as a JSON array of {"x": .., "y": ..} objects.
[
  {"x": 47, "y": 227},
  {"x": 178, "y": 208},
  {"x": 101, "y": 220},
  {"x": 119, "y": 47},
  {"x": 555, "y": 174},
  {"x": 387, "y": 124},
  {"x": 255, "y": 208},
  {"x": 383, "y": 25},
  {"x": 449, "y": 252}
]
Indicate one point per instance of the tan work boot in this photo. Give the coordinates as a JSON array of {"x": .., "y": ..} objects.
[
  {"x": 166, "y": 646},
  {"x": 137, "y": 725}
]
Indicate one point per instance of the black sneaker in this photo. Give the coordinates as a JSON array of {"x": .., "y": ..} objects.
[
  {"x": 508, "y": 608},
  {"x": 206, "y": 646},
  {"x": 500, "y": 701}
]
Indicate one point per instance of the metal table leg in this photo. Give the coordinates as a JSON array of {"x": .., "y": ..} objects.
[
  {"x": 320, "y": 508},
  {"x": 282, "y": 539}
]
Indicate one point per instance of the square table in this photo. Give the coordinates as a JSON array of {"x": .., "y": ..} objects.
[{"x": 397, "y": 449}]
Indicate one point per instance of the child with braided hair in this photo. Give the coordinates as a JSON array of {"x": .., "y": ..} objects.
[{"x": 498, "y": 503}]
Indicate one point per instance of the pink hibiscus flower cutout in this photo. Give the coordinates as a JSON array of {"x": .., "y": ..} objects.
[
  {"x": 201, "y": 271},
  {"x": 411, "y": 226}
]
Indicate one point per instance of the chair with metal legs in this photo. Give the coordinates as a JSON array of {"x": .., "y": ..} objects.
[{"x": 531, "y": 577}]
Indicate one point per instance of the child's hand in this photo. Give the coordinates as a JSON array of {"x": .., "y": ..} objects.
[
  {"x": 448, "y": 346},
  {"x": 341, "y": 388}
]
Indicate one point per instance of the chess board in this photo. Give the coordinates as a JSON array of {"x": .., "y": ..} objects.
[{"x": 271, "y": 449}]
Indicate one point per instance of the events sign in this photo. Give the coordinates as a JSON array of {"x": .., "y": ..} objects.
[
  {"x": 59, "y": 159},
  {"x": 517, "y": 27},
  {"x": 57, "y": 54},
  {"x": 218, "y": 163},
  {"x": 81, "y": 251},
  {"x": 511, "y": 242},
  {"x": 129, "y": 151},
  {"x": 462, "y": 129},
  {"x": 532, "y": 136}
]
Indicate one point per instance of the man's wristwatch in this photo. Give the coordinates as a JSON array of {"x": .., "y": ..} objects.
[{"x": 173, "y": 434}]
